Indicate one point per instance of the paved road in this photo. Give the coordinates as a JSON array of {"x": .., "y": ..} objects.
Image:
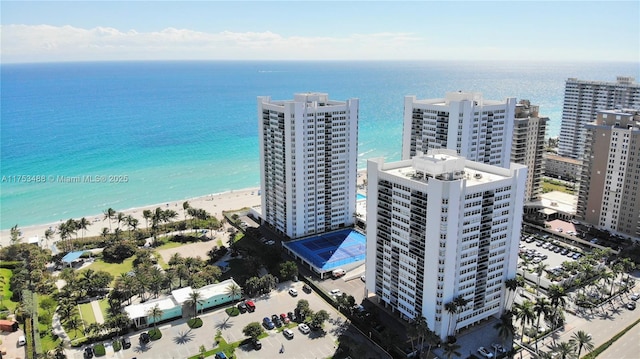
[
  {"x": 627, "y": 347},
  {"x": 179, "y": 341}
]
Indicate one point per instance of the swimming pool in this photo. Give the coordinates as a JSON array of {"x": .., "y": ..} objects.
[{"x": 360, "y": 197}]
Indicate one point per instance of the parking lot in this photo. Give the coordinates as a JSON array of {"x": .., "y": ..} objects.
[{"x": 179, "y": 341}]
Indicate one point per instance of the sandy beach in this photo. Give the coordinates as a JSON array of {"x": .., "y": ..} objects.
[{"x": 213, "y": 203}]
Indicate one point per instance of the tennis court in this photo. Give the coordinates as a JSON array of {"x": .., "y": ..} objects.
[{"x": 331, "y": 250}]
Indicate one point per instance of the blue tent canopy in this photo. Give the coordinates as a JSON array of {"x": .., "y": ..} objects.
[{"x": 72, "y": 256}]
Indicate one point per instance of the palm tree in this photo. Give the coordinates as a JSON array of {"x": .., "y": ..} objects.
[
  {"x": 505, "y": 326},
  {"x": 109, "y": 214},
  {"x": 539, "y": 270},
  {"x": 525, "y": 313},
  {"x": 557, "y": 295},
  {"x": 185, "y": 207},
  {"x": 195, "y": 298},
  {"x": 542, "y": 306},
  {"x": 451, "y": 349},
  {"x": 582, "y": 339},
  {"x": 512, "y": 286},
  {"x": 146, "y": 214},
  {"x": 234, "y": 291},
  {"x": 566, "y": 350},
  {"x": 83, "y": 223},
  {"x": 451, "y": 309},
  {"x": 155, "y": 313},
  {"x": 120, "y": 217},
  {"x": 132, "y": 223},
  {"x": 461, "y": 303}
]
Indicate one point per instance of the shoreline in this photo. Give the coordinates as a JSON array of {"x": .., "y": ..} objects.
[{"x": 214, "y": 203}]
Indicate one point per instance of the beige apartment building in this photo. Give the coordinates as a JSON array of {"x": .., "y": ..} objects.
[
  {"x": 527, "y": 148},
  {"x": 565, "y": 168},
  {"x": 610, "y": 185}
]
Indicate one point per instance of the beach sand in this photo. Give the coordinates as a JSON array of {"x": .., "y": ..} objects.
[{"x": 213, "y": 203}]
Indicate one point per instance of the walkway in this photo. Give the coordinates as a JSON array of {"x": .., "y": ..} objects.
[{"x": 97, "y": 312}]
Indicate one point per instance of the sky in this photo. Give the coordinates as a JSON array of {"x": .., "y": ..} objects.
[{"x": 55, "y": 31}]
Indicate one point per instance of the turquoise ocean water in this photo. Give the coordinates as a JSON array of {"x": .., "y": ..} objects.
[{"x": 178, "y": 130}]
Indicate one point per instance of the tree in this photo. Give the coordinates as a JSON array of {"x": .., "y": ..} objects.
[
  {"x": 565, "y": 350},
  {"x": 541, "y": 306},
  {"x": 288, "y": 270},
  {"x": 512, "y": 286},
  {"x": 319, "y": 318},
  {"x": 234, "y": 291},
  {"x": 82, "y": 224},
  {"x": 451, "y": 350},
  {"x": 146, "y": 214},
  {"x": 132, "y": 223},
  {"x": 74, "y": 323},
  {"x": 253, "y": 330},
  {"x": 582, "y": 339},
  {"x": 155, "y": 313},
  {"x": 48, "y": 304},
  {"x": 120, "y": 217},
  {"x": 557, "y": 295},
  {"x": 525, "y": 313},
  {"x": 185, "y": 207},
  {"x": 539, "y": 270},
  {"x": 505, "y": 326},
  {"x": 109, "y": 214},
  {"x": 451, "y": 309},
  {"x": 303, "y": 307},
  {"x": 15, "y": 234},
  {"x": 195, "y": 299}
]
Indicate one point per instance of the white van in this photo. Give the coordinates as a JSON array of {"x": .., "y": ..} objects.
[
  {"x": 337, "y": 273},
  {"x": 22, "y": 341}
]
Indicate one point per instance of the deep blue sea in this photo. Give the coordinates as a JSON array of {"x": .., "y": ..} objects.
[{"x": 178, "y": 130}]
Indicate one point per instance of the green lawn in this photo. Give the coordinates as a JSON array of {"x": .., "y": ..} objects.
[
  {"x": 115, "y": 269},
  {"x": 5, "y": 278},
  {"x": 104, "y": 307},
  {"x": 551, "y": 185},
  {"x": 47, "y": 342},
  {"x": 86, "y": 312}
]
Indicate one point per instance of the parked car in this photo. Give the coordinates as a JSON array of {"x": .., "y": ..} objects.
[
  {"x": 288, "y": 333},
  {"x": 635, "y": 296},
  {"x": 88, "y": 353},
  {"x": 221, "y": 355},
  {"x": 242, "y": 306},
  {"x": 255, "y": 343},
  {"x": 250, "y": 305},
  {"x": 498, "y": 348},
  {"x": 126, "y": 343},
  {"x": 362, "y": 278},
  {"x": 293, "y": 292},
  {"x": 276, "y": 320},
  {"x": 145, "y": 338},
  {"x": 266, "y": 321},
  {"x": 270, "y": 242},
  {"x": 306, "y": 288},
  {"x": 291, "y": 316},
  {"x": 335, "y": 292},
  {"x": 304, "y": 328},
  {"x": 485, "y": 353},
  {"x": 631, "y": 305},
  {"x": 284, "y": 318}
]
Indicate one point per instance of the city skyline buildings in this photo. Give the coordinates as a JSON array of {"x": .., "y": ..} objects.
[
  {"x": 527, "y": 147},
  {"x": 582, "y": 101},
  {"x": 308, "y": 163}
]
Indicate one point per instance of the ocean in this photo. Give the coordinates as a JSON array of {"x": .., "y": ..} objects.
[{"x": 169, "y": 131}]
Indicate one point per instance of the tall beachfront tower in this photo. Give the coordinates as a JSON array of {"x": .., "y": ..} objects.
[
  {"x": 527, "y": 148},
  {"x": 308, "y": 163},
  {"x": 477, "y": 129},
  {"x": 442, "y": 229},
  {"x": 610, "y": 184},
  {"x": 583, "y": 100}
]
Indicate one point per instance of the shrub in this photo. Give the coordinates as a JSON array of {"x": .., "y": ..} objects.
[
  {"x": 194, "y": 323},
  {"x": 117, "y": 345},
  {"x": 155, "y": 334},
  {"x": 232, "y": 311},
  {"x": 99, "y": 350}
]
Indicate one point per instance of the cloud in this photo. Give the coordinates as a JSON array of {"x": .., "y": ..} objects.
[{"x": 44, "y": 43}]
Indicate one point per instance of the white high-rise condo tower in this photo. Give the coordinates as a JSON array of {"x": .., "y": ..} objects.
[
  {"x": 582, "y": 101},
  {"x": 308, "y": 162},
  {"x": 441, "y": 231},
  {"x": 475, "y": 128}
]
